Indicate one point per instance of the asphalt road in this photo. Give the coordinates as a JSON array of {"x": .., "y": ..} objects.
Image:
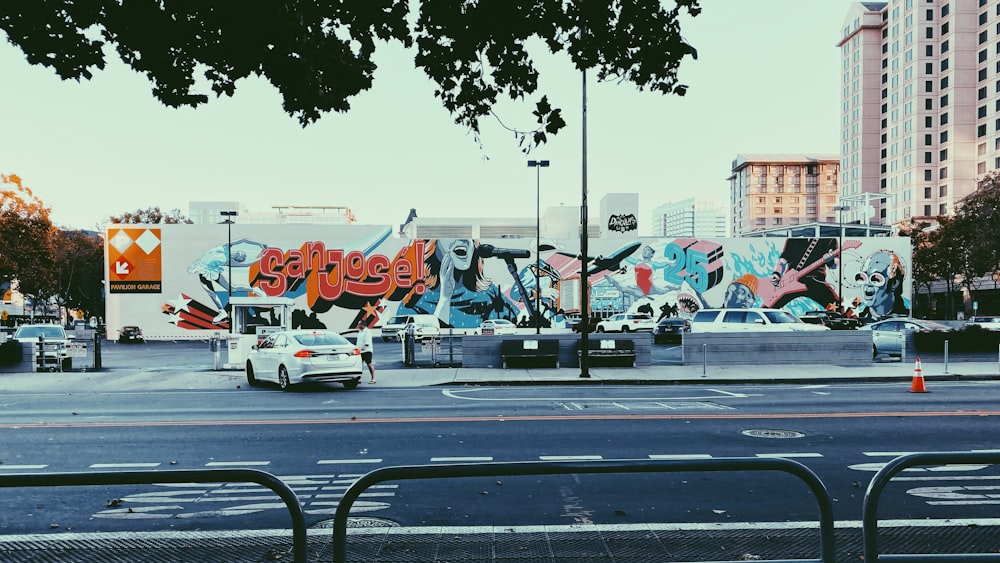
[{"x": 321, "y": 440}]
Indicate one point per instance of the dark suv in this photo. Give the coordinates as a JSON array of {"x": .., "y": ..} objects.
[
  {"x": 128, "y": 334},
  {"x": 670, "y": 329}
]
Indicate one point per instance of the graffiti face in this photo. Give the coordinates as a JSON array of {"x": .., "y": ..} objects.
[
  {"x": 879, "y": 278},
  {"x": 738, "y": 296},
  {"x": 460, "y": 250}
]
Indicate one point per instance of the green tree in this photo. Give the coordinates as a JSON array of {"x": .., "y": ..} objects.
[
  {"x": 319, "y": 53},
  {"x": 79, "y": 268},
  {"x": 150, "y": 215},
  {"x": 26, "y": 252},
  {"x": 979, "y": 213}
]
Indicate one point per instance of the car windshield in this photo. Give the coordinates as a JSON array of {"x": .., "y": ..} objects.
[
  {"x": 780, "y": 317},
  {"x": 928, "y": 325},
  {"x": 397, "y": 320},
  {"x": 36, "y": 331},
  {"x": 320, "y": 339}
]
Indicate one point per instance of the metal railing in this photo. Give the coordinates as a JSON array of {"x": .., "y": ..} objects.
[
  {"x": 179, "y": 476},
  {"x": 490, "y": 469},
  {"x": 878, "y": 484}
]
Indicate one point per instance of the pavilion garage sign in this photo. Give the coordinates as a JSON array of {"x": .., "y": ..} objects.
[{"x": 134, "y": 260}]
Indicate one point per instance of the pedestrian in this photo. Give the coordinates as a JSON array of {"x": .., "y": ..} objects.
[{"x": 364, "y": 342}]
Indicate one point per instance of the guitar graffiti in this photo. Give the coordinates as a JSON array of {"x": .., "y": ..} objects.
[{"x": 789, "y": 284}]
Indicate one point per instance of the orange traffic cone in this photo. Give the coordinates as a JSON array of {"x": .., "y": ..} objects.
[{"x": 918, "y": 379}]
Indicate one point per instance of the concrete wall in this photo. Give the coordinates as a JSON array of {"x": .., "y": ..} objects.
[{"x": 835, "y": 347}]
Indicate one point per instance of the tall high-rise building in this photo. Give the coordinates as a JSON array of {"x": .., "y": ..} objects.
[
  {"x": 691, "y": 217},
  {"x": 777, "y": 190},
  {"x": 920, "y": 108}
]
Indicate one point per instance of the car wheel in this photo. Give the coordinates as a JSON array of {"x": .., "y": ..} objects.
[
  {"x": 351, "y": 384},
  {"x": 251, "y": 378},
  {"x": 283, "y": 381},
  {"x": 874, "y": 352},
  {"x": 626, "y": 329},
  {"x": 600, "y": 329}
]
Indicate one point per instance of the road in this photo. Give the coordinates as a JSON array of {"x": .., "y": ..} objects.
[{"x": 320, "y": 439}]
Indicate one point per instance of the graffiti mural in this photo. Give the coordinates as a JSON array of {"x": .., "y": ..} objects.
[{"x": 340, "y": 275}]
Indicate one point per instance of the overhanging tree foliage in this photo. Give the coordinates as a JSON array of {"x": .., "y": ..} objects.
[
  {"x": 25, "y": 239},
  {"x": 319, "y": 53},
  {"x": 79, "y": 269}
]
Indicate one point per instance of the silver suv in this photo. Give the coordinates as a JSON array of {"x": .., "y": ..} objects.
[{"x": 745, "y": 320}]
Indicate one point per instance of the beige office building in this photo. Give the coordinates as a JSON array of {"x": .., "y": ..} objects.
[
  {"x": 920, "y": 110},
  {"x": 778, "y": 190}
]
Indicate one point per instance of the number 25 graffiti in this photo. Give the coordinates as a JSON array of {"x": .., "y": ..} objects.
[{"x": 695, "y": 261}]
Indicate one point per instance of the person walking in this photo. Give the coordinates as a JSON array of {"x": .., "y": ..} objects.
[{"x": 364, "y": 342}]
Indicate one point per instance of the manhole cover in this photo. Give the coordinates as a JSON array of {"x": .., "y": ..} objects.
[
  {"x": 771, "y": 433},
  {"x": 359, "y": 522}
]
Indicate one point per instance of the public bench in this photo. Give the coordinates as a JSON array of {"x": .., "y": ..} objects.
[
  {"x": 610, "y": 352},
  {"x": 529, "y": 351}
]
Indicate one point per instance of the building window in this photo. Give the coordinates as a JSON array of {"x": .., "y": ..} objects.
[
  {"x": 944, "y": 82},
  {"x": 944, "y": 118},
  {"x": 928, "y": 139},
  {"x": 943, "y": 172},
  {"x": 928, "y": 86},
  {"x": 927, "y": 211},
  {"x": 943, "y": 191},
  {"x": 944, "y": 136},
  {"x": 981, "y": 168},
  {"x": 928, "y": 121},
  {"x": 944, "y": 101},
  {"x": 980, "y": 112},
  {"x": 981, "y": 131},
  {"x": 982, "y": 93},
  {"x": 927, "y": 192},
  {"x": 777, "y": 210},
  {"x": 944, "y": 28},
  {"x": 927, "y": 158},
  {"x": 943, "y": 209},
  {"x": 927, "y": 175},
  {"x": 982, "y": 37}
]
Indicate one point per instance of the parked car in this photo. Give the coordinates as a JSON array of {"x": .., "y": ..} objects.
[
  {"x": 496, "y": 327},
  {"x": 130, "y": 333},
  {"x": 573, "y": 323},
  {"x": 55, "y": 339},
  {"x": 670, "y": 329},
  {"x": 753, "y": 319},
  {"x": 627, "y": 322},
  {"x": 988, "y": 322},
  {"x": 391, "y": 330},
  {"x": 295, "y": 356},
  {"x": 421, "y": 330},
  {"x": 831, "y": 319},
  {"x": 889, "y": 335}
]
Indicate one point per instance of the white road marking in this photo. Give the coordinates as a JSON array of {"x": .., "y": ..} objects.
[
  {"x": 570, "y": 457},
  {"x": 237, "y": 463},
  {"x": 122, "y": 465},
  {"x": 346, "y": 461},
  {"x": 680, "y": 456},
  {"x": 874, "y": 467},
  {"x": 790, "y": 455},
  {"x": 20, "y": 467},
  {"x": 460, "y": 459},
  {"x": 463, "y": 394}
]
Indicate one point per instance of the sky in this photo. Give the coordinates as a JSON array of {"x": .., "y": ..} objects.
[{"x": 766, "y": 81}]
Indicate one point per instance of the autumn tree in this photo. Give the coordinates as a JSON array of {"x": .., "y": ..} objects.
[
  {"x": 151, "y": 215},
  {"x": 26, "y": 250},
  {"x": 320, "y": 53},
  {"x": 79, "y": 270}
]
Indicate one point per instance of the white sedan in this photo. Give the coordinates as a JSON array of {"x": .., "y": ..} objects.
[
  {"x": 496, "y": 327},
  {"x": 297, "y": 356}
]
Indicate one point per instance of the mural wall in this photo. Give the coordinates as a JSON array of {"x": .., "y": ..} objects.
[{"x": 174, "y": 281}]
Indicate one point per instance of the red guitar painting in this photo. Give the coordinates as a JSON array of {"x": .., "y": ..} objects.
[{"x": 789, "y": 282}]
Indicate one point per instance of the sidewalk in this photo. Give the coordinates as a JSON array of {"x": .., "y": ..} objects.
[{"x": 137, "y": 379}]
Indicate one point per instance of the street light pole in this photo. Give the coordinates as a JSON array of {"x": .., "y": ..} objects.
[
  {"x": 538, "y": 165},
  {"x": 840, "y": 249},
  {"x": 229, "y": 258}
]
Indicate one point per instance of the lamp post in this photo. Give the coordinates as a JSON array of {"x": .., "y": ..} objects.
[
  {"x": 840, "y": 209},
  {"x": 538, "y": 165},
  {"x": 229, "y": 258}
]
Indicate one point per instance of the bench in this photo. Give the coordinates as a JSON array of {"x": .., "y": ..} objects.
[
  {"x": 529, "y": 351},
  {"x": 610, "y": 352}
]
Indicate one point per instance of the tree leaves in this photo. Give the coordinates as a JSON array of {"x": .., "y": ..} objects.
[{"x": 319, "y": 53}]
